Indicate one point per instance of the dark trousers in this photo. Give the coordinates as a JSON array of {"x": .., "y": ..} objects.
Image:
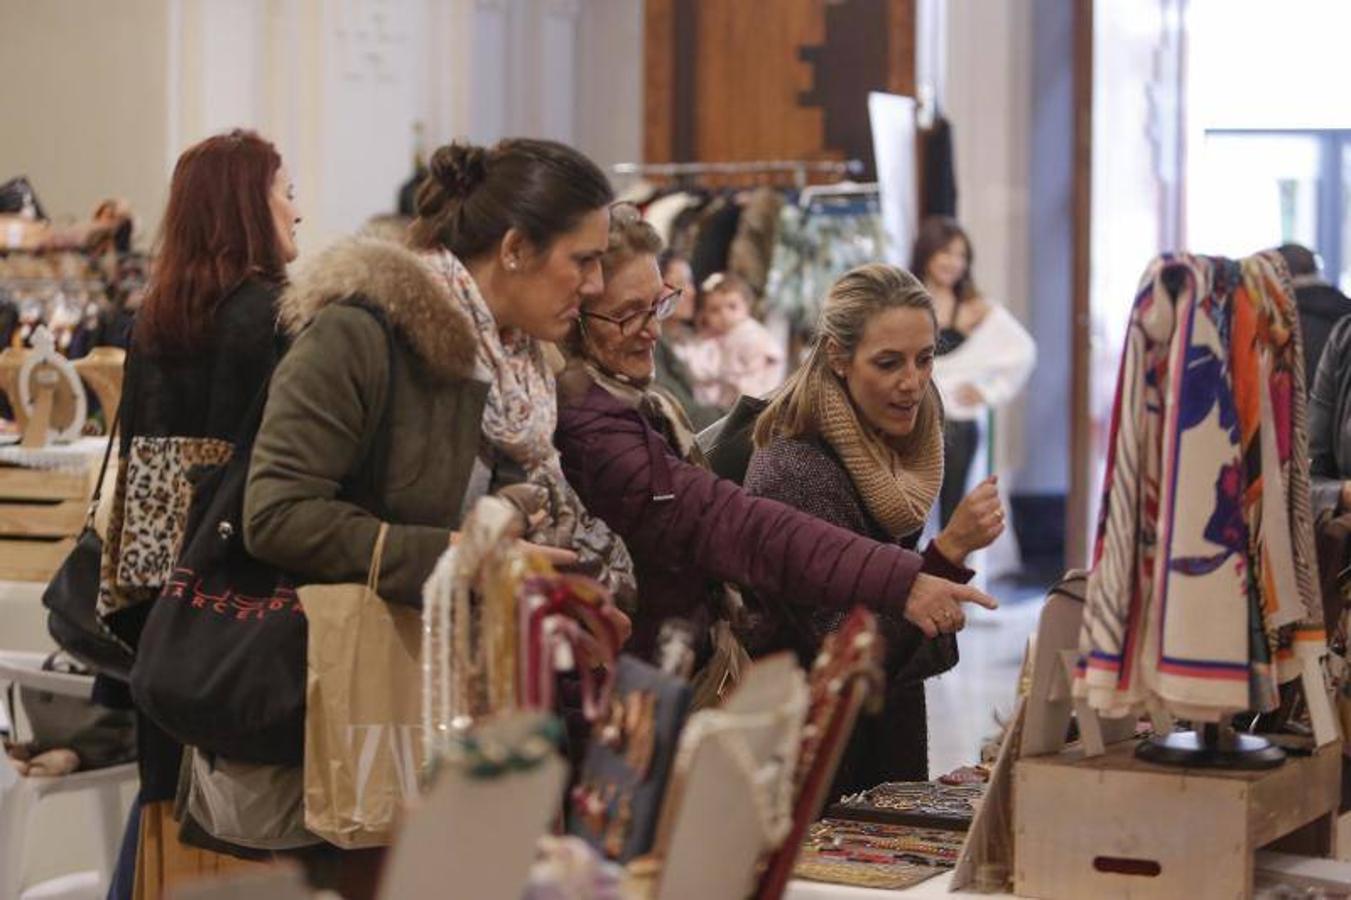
[
  {"x": 123, "y": 882},
  {"x": 960, "y": 442}
]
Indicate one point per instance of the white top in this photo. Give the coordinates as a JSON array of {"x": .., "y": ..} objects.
[{"x": 996, "y": 358}]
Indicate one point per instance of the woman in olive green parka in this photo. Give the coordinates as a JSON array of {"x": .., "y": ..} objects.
[
  {"x": 329, "y": 398},
  {"x": 506, "y": 244},
  {"x": 412, "y": 419}
]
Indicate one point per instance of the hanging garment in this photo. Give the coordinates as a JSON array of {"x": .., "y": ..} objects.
[
  {"x": 687, "y": 225},
  {"x": 717, "y": 228},
  {"x": 661, "y": 213},
  {"x": 939, "y": 181},
  {"x": 753, "y": 246},
  {"x": 1197, "y": 595},
  {"x": 814, "y": 246}
]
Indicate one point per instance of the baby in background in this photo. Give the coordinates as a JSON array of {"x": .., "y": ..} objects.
[{"x": 734, "y": 353}]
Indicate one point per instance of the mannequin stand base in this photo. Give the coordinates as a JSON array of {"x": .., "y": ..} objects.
[{"x": 1190, "y": 750}]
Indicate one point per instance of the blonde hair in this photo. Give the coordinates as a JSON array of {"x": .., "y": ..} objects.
[{"x": 853, "y": 302}]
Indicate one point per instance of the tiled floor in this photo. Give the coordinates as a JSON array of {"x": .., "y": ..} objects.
[{"x": 964, "y": 703}]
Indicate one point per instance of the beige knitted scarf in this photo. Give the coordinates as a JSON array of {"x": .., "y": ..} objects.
[{"x": 899, "y": 480}]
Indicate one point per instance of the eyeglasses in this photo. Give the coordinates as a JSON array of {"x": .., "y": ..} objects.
[{"x": 636, "y": 321}]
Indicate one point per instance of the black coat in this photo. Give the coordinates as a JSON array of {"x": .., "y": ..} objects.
[
  {"x": 1321, "y": 306},
  {"x": 203, "y": 395},
  {"x": 1330, "y": 421}
]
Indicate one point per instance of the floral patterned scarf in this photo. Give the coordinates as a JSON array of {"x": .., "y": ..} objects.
[{"x": 519, "y": 419}]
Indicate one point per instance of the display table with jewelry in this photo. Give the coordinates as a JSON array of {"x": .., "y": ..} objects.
[{"x": 463, "y": 776}]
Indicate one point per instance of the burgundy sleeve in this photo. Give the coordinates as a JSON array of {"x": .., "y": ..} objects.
[
  {"x": 713, "y": 525},
  {"x": 935, "y": 563}
]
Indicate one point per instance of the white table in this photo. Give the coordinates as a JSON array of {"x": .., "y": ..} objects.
[{"x": 933, "y": 889}]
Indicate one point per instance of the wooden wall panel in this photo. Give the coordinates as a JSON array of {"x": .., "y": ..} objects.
[
  {"x": 748, "y": 78},
  {"x": 659, "y": 70},
  {"x": 901, "y": 22},
  {"x": 725, "y": 80}
]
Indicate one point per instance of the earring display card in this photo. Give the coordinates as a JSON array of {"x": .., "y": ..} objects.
[
  {"x": 616, "y": 801},
  {"x": 924, "y": 804}
]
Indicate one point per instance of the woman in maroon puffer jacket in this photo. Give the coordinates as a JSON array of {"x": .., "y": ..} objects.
[{"x": 628, "y": 450}]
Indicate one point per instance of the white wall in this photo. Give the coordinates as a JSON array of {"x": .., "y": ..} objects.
[
  {"x": 1135, "y": 182},
  {"x": 989, "y": 102},
  {"x": 1257, "y": 65},
  {"x": 610, "y": 81},
  {"x": 337, "y": 84},
  {"x": 83, "y": 101}
]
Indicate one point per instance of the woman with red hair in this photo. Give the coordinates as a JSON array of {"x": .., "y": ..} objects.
[{"x": 203, "y": 348}]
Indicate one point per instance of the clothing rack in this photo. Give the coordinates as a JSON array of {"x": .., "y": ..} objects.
[
  {"x": 816, "y": 192},
  {"x": 798, "y": 168}
]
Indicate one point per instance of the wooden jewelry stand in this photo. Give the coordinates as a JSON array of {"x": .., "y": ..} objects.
[
  {"x": 42, "y": 510},
  {"x": 1095, "y": 820}
]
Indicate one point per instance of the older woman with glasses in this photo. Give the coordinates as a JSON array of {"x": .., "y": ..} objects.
[{"x": 629, "y": 451}]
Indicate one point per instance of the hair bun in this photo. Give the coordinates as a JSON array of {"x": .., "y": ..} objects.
[{"x": 460, "y": 168}]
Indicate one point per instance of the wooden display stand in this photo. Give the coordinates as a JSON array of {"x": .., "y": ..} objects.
[
  {"x": 41, "y": 509},
  {"x": 41, "y": 512},
  {"x": 1114, "y": 826}
]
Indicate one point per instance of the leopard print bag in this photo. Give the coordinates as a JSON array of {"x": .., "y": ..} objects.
[{"x": 149, "y": 515}]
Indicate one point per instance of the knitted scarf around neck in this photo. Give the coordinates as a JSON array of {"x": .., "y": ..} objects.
[{"x": 899, "y": 482}]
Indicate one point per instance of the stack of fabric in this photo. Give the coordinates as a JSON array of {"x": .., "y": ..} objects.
[{"x": 1203, "y": 592}]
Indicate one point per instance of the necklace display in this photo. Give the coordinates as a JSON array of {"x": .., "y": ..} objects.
[
  {"x": 629, "y": 732},
  {"x": 920, "y": 803},
  {"x": 618, "y": 795},
  {"x": 771, "y": 778},
  {"x": 875, "y": 855},
  {"x": 498, "y": 624}
]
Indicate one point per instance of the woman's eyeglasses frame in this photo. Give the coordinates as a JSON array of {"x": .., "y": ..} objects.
[{"x": 660, "y": 310}]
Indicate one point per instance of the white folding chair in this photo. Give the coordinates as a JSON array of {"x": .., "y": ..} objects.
[{"x": 20, "y": 796}]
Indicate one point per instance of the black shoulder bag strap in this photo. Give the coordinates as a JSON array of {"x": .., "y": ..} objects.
[{"x": 103, "y": 470}]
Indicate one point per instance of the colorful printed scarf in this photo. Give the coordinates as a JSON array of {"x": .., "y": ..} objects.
[{"x": 1203, "y": 565}]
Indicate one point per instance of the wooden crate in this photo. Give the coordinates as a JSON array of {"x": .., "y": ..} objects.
[
  {"x": 41, "y": 512},
  {"x": 1113, "y": 826}
]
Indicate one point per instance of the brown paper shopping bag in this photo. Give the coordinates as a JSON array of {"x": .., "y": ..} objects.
[{"x": 363, "y": 720}]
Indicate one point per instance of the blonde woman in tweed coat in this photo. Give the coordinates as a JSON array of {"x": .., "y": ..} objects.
[{"x": 855, "y": 437}]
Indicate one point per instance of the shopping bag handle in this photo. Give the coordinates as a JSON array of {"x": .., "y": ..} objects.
[{"x": 377, "y": 559}]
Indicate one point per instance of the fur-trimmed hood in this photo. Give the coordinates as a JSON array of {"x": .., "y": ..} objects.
[{"x": 395, "y": 280}]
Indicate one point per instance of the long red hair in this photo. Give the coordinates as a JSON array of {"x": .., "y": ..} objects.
[{"x": 218, "y": 230}]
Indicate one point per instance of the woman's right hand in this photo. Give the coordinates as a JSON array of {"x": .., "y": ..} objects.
[{"x": 935, "y": 605}]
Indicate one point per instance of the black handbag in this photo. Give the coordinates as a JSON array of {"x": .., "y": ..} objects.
[
  {"x": 729, "y": 442},
  {"x": 71, "y": 598},
  {"x": 221, "y": 661}
]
